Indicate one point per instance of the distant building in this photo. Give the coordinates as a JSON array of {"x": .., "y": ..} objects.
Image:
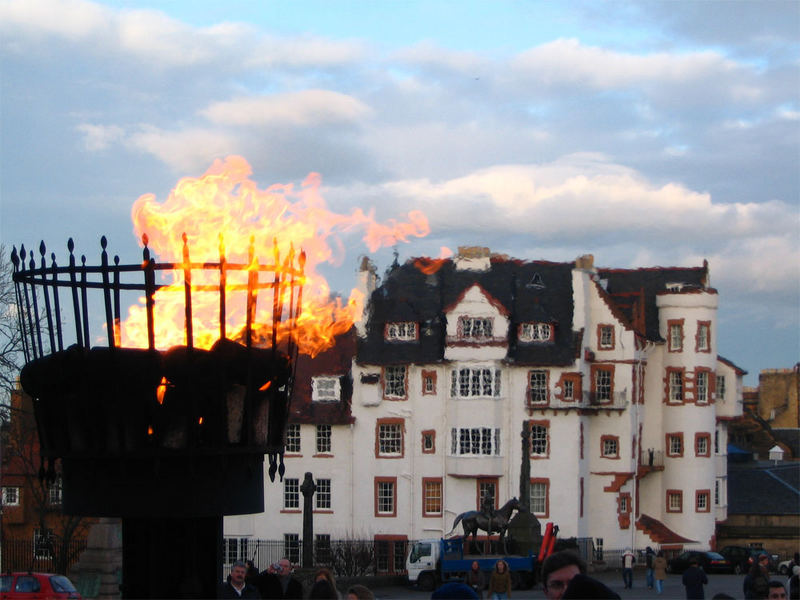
[{"x": 416, "y": 415}]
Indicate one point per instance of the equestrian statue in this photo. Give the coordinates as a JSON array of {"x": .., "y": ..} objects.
[{"x": 487, "y": 519}]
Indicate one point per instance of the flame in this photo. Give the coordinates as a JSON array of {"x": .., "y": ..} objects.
[
  {"x": 265, "y": 387},
  {"x": 161, "y": 390},
  {"x": 429, "y": 266},
  {"x": 200, "y": 421},
  {"x": 149, "y": 430},
  {"x": 220, "y": 214}
]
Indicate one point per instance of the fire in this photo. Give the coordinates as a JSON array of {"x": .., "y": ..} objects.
[
  {"x": 429, "y": 266},
  {"x": 222, "y": 213},
  {"x": 161, "y": 390}
]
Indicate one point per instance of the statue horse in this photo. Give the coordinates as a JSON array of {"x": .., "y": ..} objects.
[{"x": 472, "y": 520}]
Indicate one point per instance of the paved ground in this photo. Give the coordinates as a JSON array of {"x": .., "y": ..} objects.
[{"x": 673, "y": 589}]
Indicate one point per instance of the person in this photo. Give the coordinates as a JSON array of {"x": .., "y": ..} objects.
[
  {"x": 500, "y": 581},
  {"x": 475, "y": 579},
  {"x": 660, "y": 570},
  {"x": 649, "y": 556},
  {"x": 280, "y": 584},
  {"x": 628, "y": 559},
  {"x": 324, "y": 585},
  {"x": 236, "y": 586},
  {"x": 694, "y": 578},
  {"x": 756, "y": 583},
  {"x": 558, "y": 570},
  {"x": 582, "y": 586},
  {"x": 794, "y": 583},
  {"x": 454, "y": 589},
  {"x": 359, "y": 592},
  {"x": 251, "y": 576},
  {"x": 776, "y": 590}
]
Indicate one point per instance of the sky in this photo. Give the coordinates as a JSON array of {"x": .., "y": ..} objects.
[{"x": 644, "y": 133}]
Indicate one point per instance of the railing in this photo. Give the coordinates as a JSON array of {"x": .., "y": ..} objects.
[
  {"x": 25, "y": 555},
  {"x": 651, "y": 458}
]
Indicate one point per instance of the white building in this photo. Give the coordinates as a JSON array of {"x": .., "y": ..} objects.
[{"x": 415, "y": 416}]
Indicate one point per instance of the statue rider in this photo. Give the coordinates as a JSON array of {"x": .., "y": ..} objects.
[{"x": 487, "y": 508}]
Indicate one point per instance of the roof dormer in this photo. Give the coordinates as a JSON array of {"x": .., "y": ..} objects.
[{"x": 477, "y": 326}]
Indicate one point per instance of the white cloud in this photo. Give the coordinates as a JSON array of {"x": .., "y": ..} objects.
[
  {"x": 99, "y": 137},
  {"x": 187, "y": 151},
  {"x": 305, "y": 108}
]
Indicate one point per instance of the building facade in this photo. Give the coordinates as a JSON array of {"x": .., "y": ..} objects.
[{"x": 418, "y": 413}]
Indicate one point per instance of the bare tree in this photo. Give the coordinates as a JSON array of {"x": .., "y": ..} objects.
[{"x": 11, "y": 357}]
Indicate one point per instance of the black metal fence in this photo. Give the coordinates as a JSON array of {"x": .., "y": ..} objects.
[
  {"x": 26, "y": 555},
  {"x": 346, "y": 558}
]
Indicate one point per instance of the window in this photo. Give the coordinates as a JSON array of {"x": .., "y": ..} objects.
[
  {"x": 603, "y": 384},
  {"x": 43, "y": 543},
  {"x": 291, "y": 547},
  {"x": 235, "y": 549},
  {"x": 431, "y": 497},
  {"x": 11, "y": 496},
  {"x": 385, "y": 497},
  {"x": 721, "y": 387},
  {"x": 569, "y": 390},
  {"x": 429, "y": 441},
  {"x": 674, "y": 501},
  {"x": 405, "y": 331},
  {"x": 474, "y": 382},
  {"x": 428, "y": 383},
  {"x": 537, "y": 386},
  {"x": 325, "y": 389},
  {"x": 540, "y": 504},
  {"x": 389, "y": 438},
  {"x": 291, "y": 494},
  {"x": 605, "y": 337},
  {"x": 293, "y": 438},
  {"x": 535, "y": 332},
  {"x": 701, "y": 387},
  {"x": 703, "y": 341},
  {"x": 702, "y": 444},
  {"x": 475, "y": 328},
  {"x": 609, "y": 446},
  {"x": 675, "y": 335},
  {"x": 702, "y": 501},
  {"x": 390, "y": 553},
  {"x": 540, "y": 447},
  {"x": 323, "y": 494},
  {"x": 624, "y": 510},
  {"x": 717, "y": 493},
  {"x": 623, "y": 502},
  {"x": 570, "y": 387},
  {"x": 487, "y": 488},
  {"x": 675, "y": 385},
  {"x": 675, "y": 444},
  {"x": 716, "y": 441},
  {"x": 55, "y": 491},
  {"x": 322, "y": 549},
  {"x": 475, "y": 441},
  {"x": 323, "y": 439},
  {"x": 394, "y": 382}
]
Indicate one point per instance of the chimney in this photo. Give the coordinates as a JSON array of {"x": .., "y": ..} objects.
[
  {"x": 473, "y": 258},
  {"x": 366, "y": 283},
  {"x": 585, "y": 262}
]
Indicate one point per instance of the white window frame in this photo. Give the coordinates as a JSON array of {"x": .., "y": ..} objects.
[
  {"x": 432, "y": 485},
  {"x": 535, "y": 332},
  {"x": 293, "y": 445},
  {"x": 324, "y": 439},
  {"x": 11, "y": 495},
  {"x": 390, "y": 439},
  {"x": 394, "y": 384},
  {"x": 603, "y": 381},
  {"x": 676, "y": 392},
  {"x": 701, "y": 387},
  {"x": 701, "y": 506},
  {"x": 610, "y": 447},
  {"x": 475, "y": 328},
  {"x": 539, "y": 495},
  {"x": 401, "y": 331},
  {"x": 675, "y": 446},
  {"x": 386, "y": 496},
  {"x": 41, "y": 549},
  {"x": 323, "y": 495},
  {"x": 702, "y": 441},
  {"x": 721, "y": 387},
  {"x": 606, "y": 340},
  {"x": 474, "y": 441},
  {"x": 675, "y": 502},
  {"x": 676, "y": 337},
  {"x": 291, "y": 547},
  {"x": 55, "y": 492},
  {"x": 623, "y": 504},
  {"x": 291, "y": 493},
  {"x": 568, "y": 387},
  {"x": 475, "y": 382},
  {"x": 326, "y": 388},
  {"x": 539, "y": 442},
  {"x": 538, "y": 387},
  {"x": 703, "y": 337}
]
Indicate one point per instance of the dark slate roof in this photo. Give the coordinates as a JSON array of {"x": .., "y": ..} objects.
[
  {"x": 528, "y": 291},
  {"x": 764, "y": 488},
  {"x": 629, "y": 288},
  {"x": 335, "y": 361}
]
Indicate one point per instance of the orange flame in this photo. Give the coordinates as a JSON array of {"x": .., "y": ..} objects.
[
  {"x": 149, "y": 430},
  {"x": 429, "y": 266},
  {"x": 220, "y": 213},
  {"x": 161, "y": 390}
]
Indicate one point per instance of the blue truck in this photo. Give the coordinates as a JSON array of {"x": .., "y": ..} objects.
[{"x": 435, "y": 561}]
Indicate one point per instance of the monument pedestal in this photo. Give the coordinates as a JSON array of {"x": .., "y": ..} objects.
[{"x": 98, "y": 572}]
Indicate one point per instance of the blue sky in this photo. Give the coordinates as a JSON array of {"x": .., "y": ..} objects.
[{"x": 645, "y": 133}]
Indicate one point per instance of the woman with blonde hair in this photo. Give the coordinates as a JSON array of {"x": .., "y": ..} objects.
[{"x": 500, "y": 581}]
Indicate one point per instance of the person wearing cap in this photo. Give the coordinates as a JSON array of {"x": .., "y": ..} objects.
[
  {"x": 627, "y": 568},
  {"x": 756, "y": 583},
  {"x": 694, "y": 578}
]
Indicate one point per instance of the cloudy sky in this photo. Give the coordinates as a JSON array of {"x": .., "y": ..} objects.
[{"x": 650, "y": 133}]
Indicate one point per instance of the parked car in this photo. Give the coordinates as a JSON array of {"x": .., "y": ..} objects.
[
  {"x": 27, "y": 586},
  {"x": 784, "y": 567},
  {"x": 743, "y": 557},
  {"x": 711, "y": 562}
]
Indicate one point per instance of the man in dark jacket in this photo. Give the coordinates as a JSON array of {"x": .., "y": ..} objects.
[
  {"x": 236, "y": 586},
  {"x": 281, "y": 584},
  {"x": 694, "y": 578}
]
